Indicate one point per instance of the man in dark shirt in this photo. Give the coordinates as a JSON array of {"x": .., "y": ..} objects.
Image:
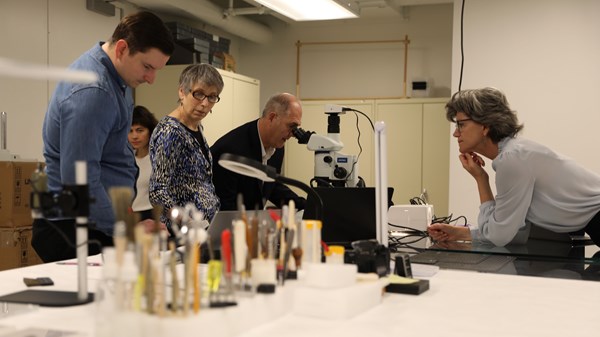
[{"x": 261, "y": 140}]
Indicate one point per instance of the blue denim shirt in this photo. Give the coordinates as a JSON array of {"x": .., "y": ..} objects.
[{"x": 90, "y": 122}]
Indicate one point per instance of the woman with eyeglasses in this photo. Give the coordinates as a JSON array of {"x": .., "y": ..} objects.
[
  {"x": 534, "y": 185},
  {"x": 181, "y": 159}
]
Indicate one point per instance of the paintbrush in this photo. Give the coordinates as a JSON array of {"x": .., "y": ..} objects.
[
  {"x": 289, "y": 237},
  {"x": 195, "y": 269},
  {"x": 139, "y": 234},
  {"x": 121, "y": 198},
  {"x": 254, "y": 243},
  {"x": 296, "y": 247},
  {"x": 281, "y": 227},
  {"x": 174, "y": 278}
]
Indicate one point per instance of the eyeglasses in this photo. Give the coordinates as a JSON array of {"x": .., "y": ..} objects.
[
  {"x": 200, "y": 96},
  {"x": 460, "y": 123}
]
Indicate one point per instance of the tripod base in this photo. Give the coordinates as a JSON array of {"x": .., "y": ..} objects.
[{"x": 47, "y": 298}]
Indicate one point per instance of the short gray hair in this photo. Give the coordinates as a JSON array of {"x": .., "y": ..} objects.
[
  {"x": 488, "y": 107},
  {"x": 200, "y": 73}
]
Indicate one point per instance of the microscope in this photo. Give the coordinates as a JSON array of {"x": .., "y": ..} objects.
[{"x": 332, "y": 168}]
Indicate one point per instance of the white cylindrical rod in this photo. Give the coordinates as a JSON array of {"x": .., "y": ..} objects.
[{"x": 81, "y": 236}]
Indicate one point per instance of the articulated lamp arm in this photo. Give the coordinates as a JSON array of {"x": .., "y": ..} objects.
[{"x": 252, "y": 168}]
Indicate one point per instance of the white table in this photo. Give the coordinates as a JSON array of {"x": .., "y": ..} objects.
[{"x": 457, "y": 304}]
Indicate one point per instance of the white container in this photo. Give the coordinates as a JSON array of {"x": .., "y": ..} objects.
[
  {"x": 330, "y": 275},
  {"x": 311, "y": 241},
  {"x": 335, "y": 255},
  {"x": 340, "y": 303},
  {"x": 264, "y": 271},
  {"x": 417, "y": 217},
  {"x": 106, "y": 295}
]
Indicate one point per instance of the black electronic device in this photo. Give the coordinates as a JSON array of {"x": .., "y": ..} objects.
[
  {"x": 369, "y": 256},
  {"x": 576, "y": 238},
  {"x": 402, "y": 265},
  {"x": 348, "y": 213},
  {"x": 39, "y": 281},
  {"x": 413, "y": 288}
]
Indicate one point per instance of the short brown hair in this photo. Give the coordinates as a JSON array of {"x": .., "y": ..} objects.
[{"x": 142, "y": 31}]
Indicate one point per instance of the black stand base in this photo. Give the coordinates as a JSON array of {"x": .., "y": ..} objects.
[
  {"x": 415, "y": 288},
  {"x": 47, "y": 298}
]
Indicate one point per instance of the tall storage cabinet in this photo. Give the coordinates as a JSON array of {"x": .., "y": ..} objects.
[
  {"x": 240, "y": 100},
  {"x": 418, "y": 144}
]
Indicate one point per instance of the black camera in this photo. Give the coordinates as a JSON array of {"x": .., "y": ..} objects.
[{"x": 370, "y": 257}]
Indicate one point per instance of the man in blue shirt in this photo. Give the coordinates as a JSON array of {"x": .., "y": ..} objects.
[{"x": 90, "y": 122}]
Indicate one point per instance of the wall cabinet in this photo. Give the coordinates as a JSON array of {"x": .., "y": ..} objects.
[
  {"x": 418, "y": 144},
  {"x": 240, "y": 100}
]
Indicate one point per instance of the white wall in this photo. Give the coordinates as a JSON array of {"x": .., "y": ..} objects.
[
  {"x": 24, "y": 101},
  {"x": 51, "y": 32},
  {"x": 354, "y": 71},
  {"x": 544, "y": 54},
  {"x": 56, "y": 32}
]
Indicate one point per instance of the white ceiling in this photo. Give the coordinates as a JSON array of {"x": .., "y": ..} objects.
[{"x": 256, "y": 27}]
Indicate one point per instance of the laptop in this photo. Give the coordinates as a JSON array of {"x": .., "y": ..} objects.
[
  {"x": 463, "y": 260},
  {"x": 576, "y": 238},
  {"x": 224, "y": 219},
  {"x": 348, "y": 213}
]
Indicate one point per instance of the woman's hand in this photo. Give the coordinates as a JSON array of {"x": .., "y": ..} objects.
[
  {"x": 445, "y": 232},
  {"x": 473, "y": 163},
  {"x": 150, "y": 226}
]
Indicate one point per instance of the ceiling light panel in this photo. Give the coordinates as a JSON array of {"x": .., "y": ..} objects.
[{"x": 312, "y": 10}]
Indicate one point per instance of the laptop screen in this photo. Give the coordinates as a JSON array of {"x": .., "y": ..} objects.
[
  {"x": 348, "y": 213},
  {"x": 224, "y": 219}
]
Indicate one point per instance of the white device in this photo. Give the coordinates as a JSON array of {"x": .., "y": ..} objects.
[
  {"x": 381, "y": 186},
  {"x": 331, "y": 166},
  {"x": 325, "y": 143},
  {"x": 416, "y": 217},
  {"x": 421, "y": 87},
  {"x": 334, "y": 108}
]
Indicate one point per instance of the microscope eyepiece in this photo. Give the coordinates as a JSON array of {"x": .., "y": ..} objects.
[{"x": 302, "y": 135}]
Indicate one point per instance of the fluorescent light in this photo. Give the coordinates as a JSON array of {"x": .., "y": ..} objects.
[
  {"x": 17, "y": 69},
  {"x": 312, "y": 10}
]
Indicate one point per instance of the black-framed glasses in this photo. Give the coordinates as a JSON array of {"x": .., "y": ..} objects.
[
  {"x": 200, "y": 96},
  {"x": 460, "y": 123}
]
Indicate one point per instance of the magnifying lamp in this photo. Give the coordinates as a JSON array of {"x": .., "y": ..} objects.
[{"x": 252, "y": 168}]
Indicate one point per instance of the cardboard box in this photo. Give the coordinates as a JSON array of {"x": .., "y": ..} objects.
[
  {"x": 15, "y": 192},
  {"x": 31, "y": 257},
  {"x": 228, "y": 61},
  {"x": 15, "y": 248}
]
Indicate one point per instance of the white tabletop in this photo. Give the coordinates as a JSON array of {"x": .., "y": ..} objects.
[{"x": 457, "y": 304}]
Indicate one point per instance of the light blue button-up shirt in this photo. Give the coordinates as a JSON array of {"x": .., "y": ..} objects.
[
  {"x": 90, "y": 122},
  {"x": 536, "y": 185}
]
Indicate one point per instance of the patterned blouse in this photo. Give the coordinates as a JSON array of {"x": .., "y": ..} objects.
[{"x": 181, "y": 171}]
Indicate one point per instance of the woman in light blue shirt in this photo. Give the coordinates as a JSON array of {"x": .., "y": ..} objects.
[{"x": 534, "y": 184}]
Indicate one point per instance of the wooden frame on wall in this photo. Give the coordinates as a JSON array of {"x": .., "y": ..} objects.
[{"x": 300, "y": 44}]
